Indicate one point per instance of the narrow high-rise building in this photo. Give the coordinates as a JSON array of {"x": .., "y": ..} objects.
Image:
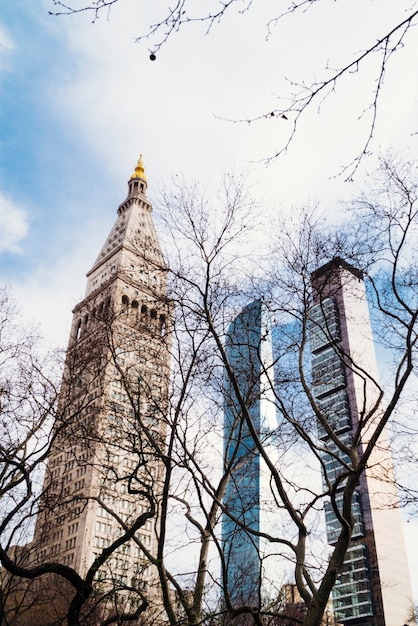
[
  {"x": 373, "y": 588},
  {"x": 105, "y": 469},
  {"x": 253, "y": 570}
]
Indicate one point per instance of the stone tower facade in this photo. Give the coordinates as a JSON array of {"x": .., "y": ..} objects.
[{"x": 104, "y": 472}]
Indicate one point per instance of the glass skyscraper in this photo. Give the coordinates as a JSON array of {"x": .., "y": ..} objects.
[
  {"x": 373, "y": 588},
  {"x": 253, "y": 571}
]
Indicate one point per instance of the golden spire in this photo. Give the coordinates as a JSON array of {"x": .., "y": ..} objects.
[{"x": 139, "y": 170}]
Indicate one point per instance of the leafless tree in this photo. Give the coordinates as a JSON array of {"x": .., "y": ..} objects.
[
  {"x": 28, "y": 395},
  {"x": 211, "y": 284},
  {"x": 305, "y": 94},
  {"x": 221, "y": 260},
  {"x": 38, "y": 421}
]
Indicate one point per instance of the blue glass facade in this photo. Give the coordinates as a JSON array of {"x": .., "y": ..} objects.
[
  {"x": 372, "y": 588},
  {"x": 242, "y": 497}
]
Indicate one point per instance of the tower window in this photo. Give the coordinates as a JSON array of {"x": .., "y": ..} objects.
[
  {"x": 78, "y": 331},
  {"x": 144, "y": 309},
  {"x": 134, "y": 304},
  {"x": 106, "y": 307},
  {"x": 153, "y": 314},
  {"x": 125, "y": 300},
  {"x": 162, "y": 324}
]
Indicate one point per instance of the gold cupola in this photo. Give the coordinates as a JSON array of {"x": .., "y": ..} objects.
[{"x": 138, "y": 180}]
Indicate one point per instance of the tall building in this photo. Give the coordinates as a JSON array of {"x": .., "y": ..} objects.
[
  {"x": 253, "y": 570},
  {"x": 373, "y": 588},
  {"x": 104, "y": 470}
]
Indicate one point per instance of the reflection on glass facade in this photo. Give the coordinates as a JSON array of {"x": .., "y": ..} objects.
[
  {"x": 242, "y": 497},
  {"x": 249, "y": 352},
  {"x": 373, "y": 588},
  {"x": 352, "y": 598}
]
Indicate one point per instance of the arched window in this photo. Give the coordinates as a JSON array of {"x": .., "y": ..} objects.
[
  {"x": 78, "y": 330},
  {"x": 144, "y": 310},
  {"x": 86, "y": 319},
  {"x": 125, "y": 300},
  {"x": 153, "y": 314},
  {"x": 134, "y": 304}
]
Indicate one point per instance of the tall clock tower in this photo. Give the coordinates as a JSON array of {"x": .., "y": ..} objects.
[{"x": 104, "y": 473}]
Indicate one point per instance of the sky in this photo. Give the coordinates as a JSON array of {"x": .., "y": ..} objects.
[{"x": 80, "y": 100}]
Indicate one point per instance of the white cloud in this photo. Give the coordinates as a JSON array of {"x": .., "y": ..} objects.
[
  {"x": 6, "y": 46},
  {"x": 14, "y": 226},
  {"x": 115, "y": 97},
  {"x": 6, "y": 42},
  {"x": 47, "y": 294}
]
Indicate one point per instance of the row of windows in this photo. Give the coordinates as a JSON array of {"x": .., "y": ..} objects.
[
  {"x": 123, "y": 579},
  {"x": 70, "y": 543},
  {"x": 351, "y": 588},
  {"x": 351, "y": 596},
  {"x": 55, "y": 461},
  {"x": 100, "y": 312},
  {"x": 101, "y": 512},
  {"x": 75, "y": 512},
  {"x": 334, "y": 466},
  {"x": 129, "y": 505},
  {"x": 68, "y": 559},
  {"x": 120, "y": 563},
  {"x": 361, "y": 606},
  {"x": 103, "y": 527},
  {"x": 120, "y": 397},
  {"x": 104, "y": 542},
  {"x": 323, "y": 324},
  {"x": 337, "y": 413},
  {"x": 101, "y": 542},
  {"x": 146, "y": 540},
  {"x": 144, "y": 313},
  {"x": 327, "y": 372},
  {"x": 333, "y": 526},
  {"x": 124, "y": 505},
  {"x": 135, "y": 186},
  {"x": 355, "y": 560}
]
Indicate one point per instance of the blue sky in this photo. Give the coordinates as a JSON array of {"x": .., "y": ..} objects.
[{"x": 79, "y": 101}]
